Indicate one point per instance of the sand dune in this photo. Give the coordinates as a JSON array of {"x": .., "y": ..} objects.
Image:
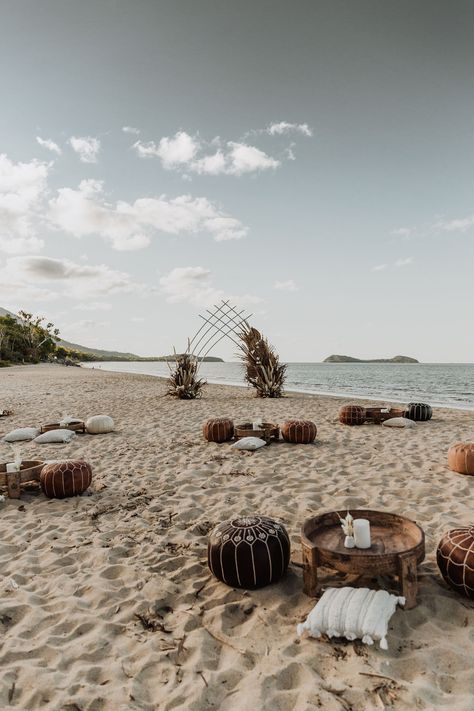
[{"x": 115, "y": 607}]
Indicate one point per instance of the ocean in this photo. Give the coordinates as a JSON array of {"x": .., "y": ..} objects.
[{"x": 439, "y": 384}]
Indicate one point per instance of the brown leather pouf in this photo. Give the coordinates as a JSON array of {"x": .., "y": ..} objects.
[
  {"x": 218, "y": 430},
  {"x": 352, "y": 415},
  {"x": 248, "y": 552},
  {"x": 62, "y": 479},
  {"x": 461, "y": 457},
  {"x": 455, "y": 557},
  {"x": 298, "y": 431}
]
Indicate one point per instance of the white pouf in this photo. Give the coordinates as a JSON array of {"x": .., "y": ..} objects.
[{"x": 100, "y": 424}]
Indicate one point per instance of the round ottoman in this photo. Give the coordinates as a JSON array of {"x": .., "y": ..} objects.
[
  {"x": 62, "y": 479},
  {"x": 218, "y": 430},
  {"x": 419, "y": 411},
  {"x": 299, "y": 431},
  {"x": 100, "y": 424},
  {"x": 352, "y": 415},
  {"x": 248, "y": 552},
  {"x": 461, "y": 457},
  {"x": 455, "y": 558}
]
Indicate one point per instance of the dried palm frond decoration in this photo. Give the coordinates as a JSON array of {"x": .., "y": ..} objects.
[
  {"x": 263, "y": 369},
  {"x": 183, "y": 381}
]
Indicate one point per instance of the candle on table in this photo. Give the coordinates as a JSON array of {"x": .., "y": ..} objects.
[
  {"x": 12, "y": 467},
  {"x": 362, "y": 533}
]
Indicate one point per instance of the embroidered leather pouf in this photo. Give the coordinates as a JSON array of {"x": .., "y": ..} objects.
[
  {"x": 352, "y": 415},
  {"x": 461, "y": 457},
  {"x": 419, "y": 411},
  {"x": 248, "y": 552},
  {"x": 455, "y": 558},
  {"x": 219, "y": 430},
  {"x": 299, "y": 431},
  {"x": 62, "y": 479}
]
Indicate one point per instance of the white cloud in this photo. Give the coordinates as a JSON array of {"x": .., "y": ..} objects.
[
  {"x": 458, "y": 225},
  {"x": 183, "y": 152},
  {"x": 173, "y": 152},
  {"x": 49, "y": 145},
  {"x": 127, "y": 226},
  {"x": 194, "y": 285},
  {"x": 20, "y": 245},
  {"x": 379, "y": 268},
  {"x": 65, "y": 278},
  {"x": 131, "y": 129},
  {"x": 404, "y": 262},
  {"x": 22, "y": 187},
  {"x": 86, "y": 147},
  {"x": 247, "y": 159},
  {"x": 288, "y": 285},
  {"x": 283, "y": 127}
]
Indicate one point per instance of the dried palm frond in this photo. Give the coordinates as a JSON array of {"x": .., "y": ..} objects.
[
  {"x": 263, "y": 369},
  {"x": 183, "y": 381}
]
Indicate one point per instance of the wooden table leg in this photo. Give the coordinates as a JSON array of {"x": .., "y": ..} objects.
[
  {"x": 310, "y": 571},
  {"x": 408, "y": 579},
  {"x": 13, "y": 485}
]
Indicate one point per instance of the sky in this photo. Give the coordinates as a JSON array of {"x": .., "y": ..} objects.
[{"x": 311, "y": 161}]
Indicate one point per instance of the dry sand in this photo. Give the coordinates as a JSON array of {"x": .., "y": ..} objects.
[{"x": 87, "y": 567}]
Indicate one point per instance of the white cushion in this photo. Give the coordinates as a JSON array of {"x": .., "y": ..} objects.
[
  {"x": 250, "y": 443},
  {"x": 56, "y": 436},
  {"x": 398, "y": 422},
  {"x": 100, "y": 424},
  {"x": 23, "y": 434},
  {"x": 353, "y": 613}
]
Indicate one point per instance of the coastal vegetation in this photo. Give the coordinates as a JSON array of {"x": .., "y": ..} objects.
[{"x": 25, "y": 338}]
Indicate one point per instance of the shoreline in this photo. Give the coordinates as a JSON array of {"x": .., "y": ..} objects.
[
  {"x": 315, "y": 393},
  {"x": 89, "y": 571}
]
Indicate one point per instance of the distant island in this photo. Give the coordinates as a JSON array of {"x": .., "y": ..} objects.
[{"x": 349, "y": 359}]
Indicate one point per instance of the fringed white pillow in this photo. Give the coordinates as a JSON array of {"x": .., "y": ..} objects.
[
  {"x": 398, "y": 422},
  {"x": 250, "y": 443},
  {"x": 23, "y": 434},
  {"x": 353, "y": 613},
  {"x": 56, "y": 437}
]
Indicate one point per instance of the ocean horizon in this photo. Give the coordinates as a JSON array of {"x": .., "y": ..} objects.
[{"x": 440, "y": 384}]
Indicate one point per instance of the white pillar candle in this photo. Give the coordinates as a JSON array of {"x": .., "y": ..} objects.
[
  {"x": 361, "y": 533},
  {"x": 12, "y": 467},
  {"x": 257, "y": 425}
]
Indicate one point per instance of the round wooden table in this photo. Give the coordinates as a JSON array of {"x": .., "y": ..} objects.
[{"x": 398, "y": 545}]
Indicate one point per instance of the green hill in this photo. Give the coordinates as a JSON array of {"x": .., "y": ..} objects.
[
  {"x": 111, "y": 355},
  {"x": 350, "y": 359}
]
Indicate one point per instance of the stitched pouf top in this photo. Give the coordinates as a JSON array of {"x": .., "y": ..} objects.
[{"x": 249, "y": 552}]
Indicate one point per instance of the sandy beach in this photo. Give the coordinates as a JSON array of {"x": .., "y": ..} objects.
[{"x": 115, "y": 607}]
